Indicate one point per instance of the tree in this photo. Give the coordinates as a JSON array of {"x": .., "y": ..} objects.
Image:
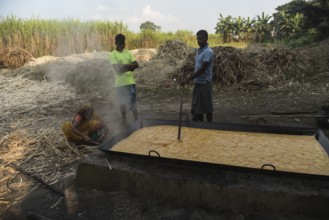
[
  {"x": 302, "y": 19},
  {"x": 149, "y": 26},
  {"x": 238, "y": 28},
  {"x": 248, "y": 29},
  {"x": 263, "y": 28},
  {"x": 289, "y": 25},
  {"x": 225, "y": 27}
]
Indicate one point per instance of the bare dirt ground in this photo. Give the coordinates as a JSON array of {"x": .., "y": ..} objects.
[{"x": 38, "y": 165}]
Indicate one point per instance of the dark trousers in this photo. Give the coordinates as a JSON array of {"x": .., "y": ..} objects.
[{"x": 199, "y": 117}]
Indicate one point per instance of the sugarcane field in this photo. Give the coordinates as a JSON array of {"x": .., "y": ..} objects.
[{"x": 102, "y": 121}]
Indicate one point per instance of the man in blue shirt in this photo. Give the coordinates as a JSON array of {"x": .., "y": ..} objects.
[{"x": 202, "y": 78}]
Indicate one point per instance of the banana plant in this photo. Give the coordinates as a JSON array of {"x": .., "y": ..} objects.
[
  {"x": 263, "y": 28},
  {"x": 248, "y": 28},
  {"x": 225, "y": 27}
]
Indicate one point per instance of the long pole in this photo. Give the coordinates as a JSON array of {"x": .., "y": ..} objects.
[{"x": 180, "y": 114}]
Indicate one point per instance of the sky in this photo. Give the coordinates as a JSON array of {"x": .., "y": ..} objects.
[{"x": 170, "y": 15}]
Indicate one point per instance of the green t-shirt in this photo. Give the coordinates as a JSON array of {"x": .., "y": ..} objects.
[{"x": 124, "y": 57}]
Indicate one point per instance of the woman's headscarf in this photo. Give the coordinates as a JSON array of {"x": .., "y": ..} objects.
[{"x": 86, "y": 108}]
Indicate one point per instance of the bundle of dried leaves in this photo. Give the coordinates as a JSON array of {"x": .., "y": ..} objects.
[
  {"x": 229, "y": 66},
  {"x": 284, "y": 63},
  {"x": 272, "y": 67},
  {"x": 174, "y": 49},
  {"x": 12, "y": 58}
]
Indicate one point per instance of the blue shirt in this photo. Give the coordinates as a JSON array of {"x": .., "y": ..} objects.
[{"x": 205, "y": 54}]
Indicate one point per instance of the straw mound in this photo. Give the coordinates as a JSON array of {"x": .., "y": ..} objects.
[
  {"x": 272, "y": 67},
  {"x": 37, "y": 72},
  {"x": 285, "y": 63},
  {"x": 319, "y": 55},
  {"x": 14, "y": 57},
  {"x": 30, "y": 127},
  {"x": 229, "y": 66},
  {"x": 248, "y": 68},
  {"x": 19, "y": 96},
  {"x": 144, "y": 54},
  {"x": 91, "y": 76},
  {"x": 35, "y": 101},
  {"x": 42, "y": 153},
  {"x": 173, "y": 49},
  {"x": 87, "y": 73}
]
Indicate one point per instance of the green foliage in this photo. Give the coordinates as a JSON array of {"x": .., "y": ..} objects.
[
  {"x": 298, "y": 19},
  {"x": 147, "y": 38},
  {"x": 297, "y": 23},
  {"x": 262, "y": 28},
  {"x": 185, "y": 35},
  {"x": 63, "y": 37},
  {"x": 240, "y": 29},
  {"x": 149, "y": 26},
  {"x": 225, "y": 27},
  {"x": 288, "y": 25},
  {"x": 311, "y": 36},
  {"x": 58, "y": 37},
  {"x": 293, "y": 22}
]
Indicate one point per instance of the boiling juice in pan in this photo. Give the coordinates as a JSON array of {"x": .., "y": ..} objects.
[{"x": 292, "y": 153}]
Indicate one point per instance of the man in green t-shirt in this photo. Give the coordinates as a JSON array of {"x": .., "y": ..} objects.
[{"x": 124, "y": 63}]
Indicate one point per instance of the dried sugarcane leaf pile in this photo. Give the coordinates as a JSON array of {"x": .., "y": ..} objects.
[
  {"x": 229, "y": 66},
  {"x": 187, "y": 68},
  {"x": 319, "y": 56},
  {"x": 143, "y": 54},
  {"x": 31, "y": 136},
  {"x": 174, "y": 49},
  {"x": 90, "y": 76},
  {"x": 284, "y": 63},
  {"x": 266, "y": 68},
  {"x": 42, "y": 152},
  {"x": 272, "y": 67},
  {"x": 12, "y": 58}
]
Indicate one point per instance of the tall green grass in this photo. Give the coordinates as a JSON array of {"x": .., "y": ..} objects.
[
  {"x": 63, "y": 37},
  {"x": 58, "y": 37}
]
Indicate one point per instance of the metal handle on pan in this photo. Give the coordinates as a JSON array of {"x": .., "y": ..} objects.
[
  {"x": 268, "y": 165},
  {"x": 153, "y": 151},
  {"x": 261, "y": 119}
]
